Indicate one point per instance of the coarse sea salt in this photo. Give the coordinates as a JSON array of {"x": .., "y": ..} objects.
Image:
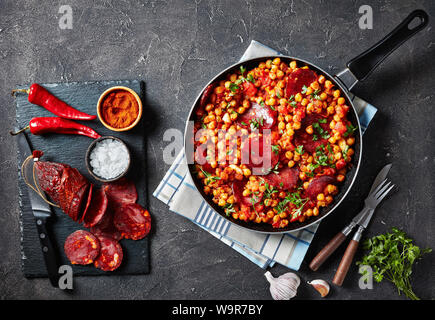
[{"x": 109, "y": 158}]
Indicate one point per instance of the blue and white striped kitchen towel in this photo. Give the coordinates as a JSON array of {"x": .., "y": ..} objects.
[{"x": 178, "y": 191}]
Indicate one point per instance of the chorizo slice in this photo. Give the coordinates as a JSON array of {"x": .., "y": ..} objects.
[
  {"x": 81, "y": 247},
  {"x": 257, "y": 152},
  {"x": 318, "y": 185},
  {"x": 106, "y": 227},
  {"x": 257, "y": 116},
  {"x": 298, "y": 79},
  {"x": 285, "y": 179},
  {"x": 206, "y": 95},
  {"x": 110, "y": 256},
  {"x": 97, "y": 208},
  {"x": 302, "y": 138},
  {"x": 121, "y": 192},
  {"x": 77, "y": 202},
  {"x": 133, "y": 221}
]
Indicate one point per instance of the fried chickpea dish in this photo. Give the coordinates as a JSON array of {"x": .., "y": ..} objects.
[{"x": 272, "y": 144}]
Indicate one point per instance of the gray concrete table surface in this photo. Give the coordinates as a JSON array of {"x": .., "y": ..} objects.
[{"x": 175, "y": 47}]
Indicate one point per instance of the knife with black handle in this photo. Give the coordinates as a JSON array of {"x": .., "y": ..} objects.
[{"x": 42, "y": 212}]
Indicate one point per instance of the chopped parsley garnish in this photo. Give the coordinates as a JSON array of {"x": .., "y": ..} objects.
[
  {"x": 294, "y": 198},
  {"x": 350, "y": 129},
  {"x": 254, "y": 123},
  {"x": 234, "y": 87},
  {"x": 346, "y": 149},
  {"x": 275, "y": 168},
  {"x": 275, "y": 148},
  {"x": 300, "y": 149},
  {"x": 244, "y": 123},
  {"x": 315, "y": 138},
  {"x": 323, "y": 133},
  {"x": 269, "y": 190},
  {"x": 315, "y": 95},
  {"x": 304, "y": 89},
  {"x": 242, "y": 70},
  {"x": 209, "y": 176},
  {"x": 278, "y": 95},
  {"x": 229, "y": 208}
]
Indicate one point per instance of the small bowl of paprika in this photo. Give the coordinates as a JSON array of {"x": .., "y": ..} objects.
[{"x": 119, "y": 108}]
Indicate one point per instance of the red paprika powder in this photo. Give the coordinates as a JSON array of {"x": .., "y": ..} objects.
[{"x": 119, "y": 109}]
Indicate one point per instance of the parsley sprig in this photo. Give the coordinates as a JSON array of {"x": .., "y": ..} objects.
[
  {"x": 209, "y": 176},
  {"x": 392, "y": 256}
]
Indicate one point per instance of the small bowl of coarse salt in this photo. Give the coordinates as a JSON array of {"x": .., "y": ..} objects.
[{"x": 108, "y": 159}]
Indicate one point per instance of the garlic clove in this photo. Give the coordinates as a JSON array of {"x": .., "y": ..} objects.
[
  {"x": 321, "y": 286},
  {"x": 284, "y": 287}
]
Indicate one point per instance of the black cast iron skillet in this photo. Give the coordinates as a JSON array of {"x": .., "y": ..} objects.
[{"x": 357, "y": 69}]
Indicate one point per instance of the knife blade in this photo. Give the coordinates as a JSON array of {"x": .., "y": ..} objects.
[
  {"x": 42, "y": 212},
  {"x": 361, "y": 217}
]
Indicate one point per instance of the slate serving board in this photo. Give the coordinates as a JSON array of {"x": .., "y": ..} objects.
[{"x": 71, "y": 149}]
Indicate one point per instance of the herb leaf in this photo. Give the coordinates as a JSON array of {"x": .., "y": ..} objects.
[{"x": 392, "y": 256}]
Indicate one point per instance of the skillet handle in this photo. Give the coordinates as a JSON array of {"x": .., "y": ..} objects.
[{"x": 363, "y": 65}]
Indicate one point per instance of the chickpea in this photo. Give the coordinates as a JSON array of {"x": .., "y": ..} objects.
[
  {"x": 296, "y": 125},
  {"x": 328, "y": 84},
  {"x": 269, "y": 64},
  {"x": 262, "y": 65},
  {"x": 298, "y": 97},
  {"x": 336, "y": 93},
  {"x": 276, "y": 61},
  {"x": 323, "y": 96},
  {"x": 337, "y": 156},
  {"x": 270, "y": 214},
  {"x": 350, "y": 141},
  {"x": 304, "y": 102},
  {"x": 309, "y": 91},
  {"x": 309, "y": 129},
  {"x": 271, "y": 102},
  {"x": 219, "y": 90},
  {"x": 281, "y": 125},
  {"x": 340, "y": 178},
  {"x": 247, "y": 172},
  {"x": 309, "y": 212},
  {"x": 315, "y": 85},
  {"x": 330, "y": 110},
  {"x": 291, "y": 163},
  {"x": 209, "y": 107},
  {"x": 320, "y": 197},
  {"x": 316, "y": 212},
  {"x": 289, "y": 155},
  {"x": 279, "y": 74},
  {"x": 246, "y": 193},
  {"x": 306, "y": 184},
  {"x": 341, "y": 101},
  {"x": 321, "y": 79},
  {"x": 293, "y": 64}
]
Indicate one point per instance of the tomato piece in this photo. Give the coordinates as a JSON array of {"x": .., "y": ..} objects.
[
  {"x": 249, "y": 89},
  {"x": 340, "y": 127},
  {"x": 340, "y": 164}
]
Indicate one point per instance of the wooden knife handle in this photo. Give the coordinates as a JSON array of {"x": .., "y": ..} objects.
[
  {"x": 345, "y": 263},
  {"x": 327, "y": 251}
]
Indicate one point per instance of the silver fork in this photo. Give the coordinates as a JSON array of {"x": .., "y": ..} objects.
[{"x": 371, "y": 202}]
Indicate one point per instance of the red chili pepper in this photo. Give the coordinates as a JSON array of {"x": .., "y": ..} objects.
[
  {"x": 42, "y": 97},
  {"x": 44, "y": 125}
]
